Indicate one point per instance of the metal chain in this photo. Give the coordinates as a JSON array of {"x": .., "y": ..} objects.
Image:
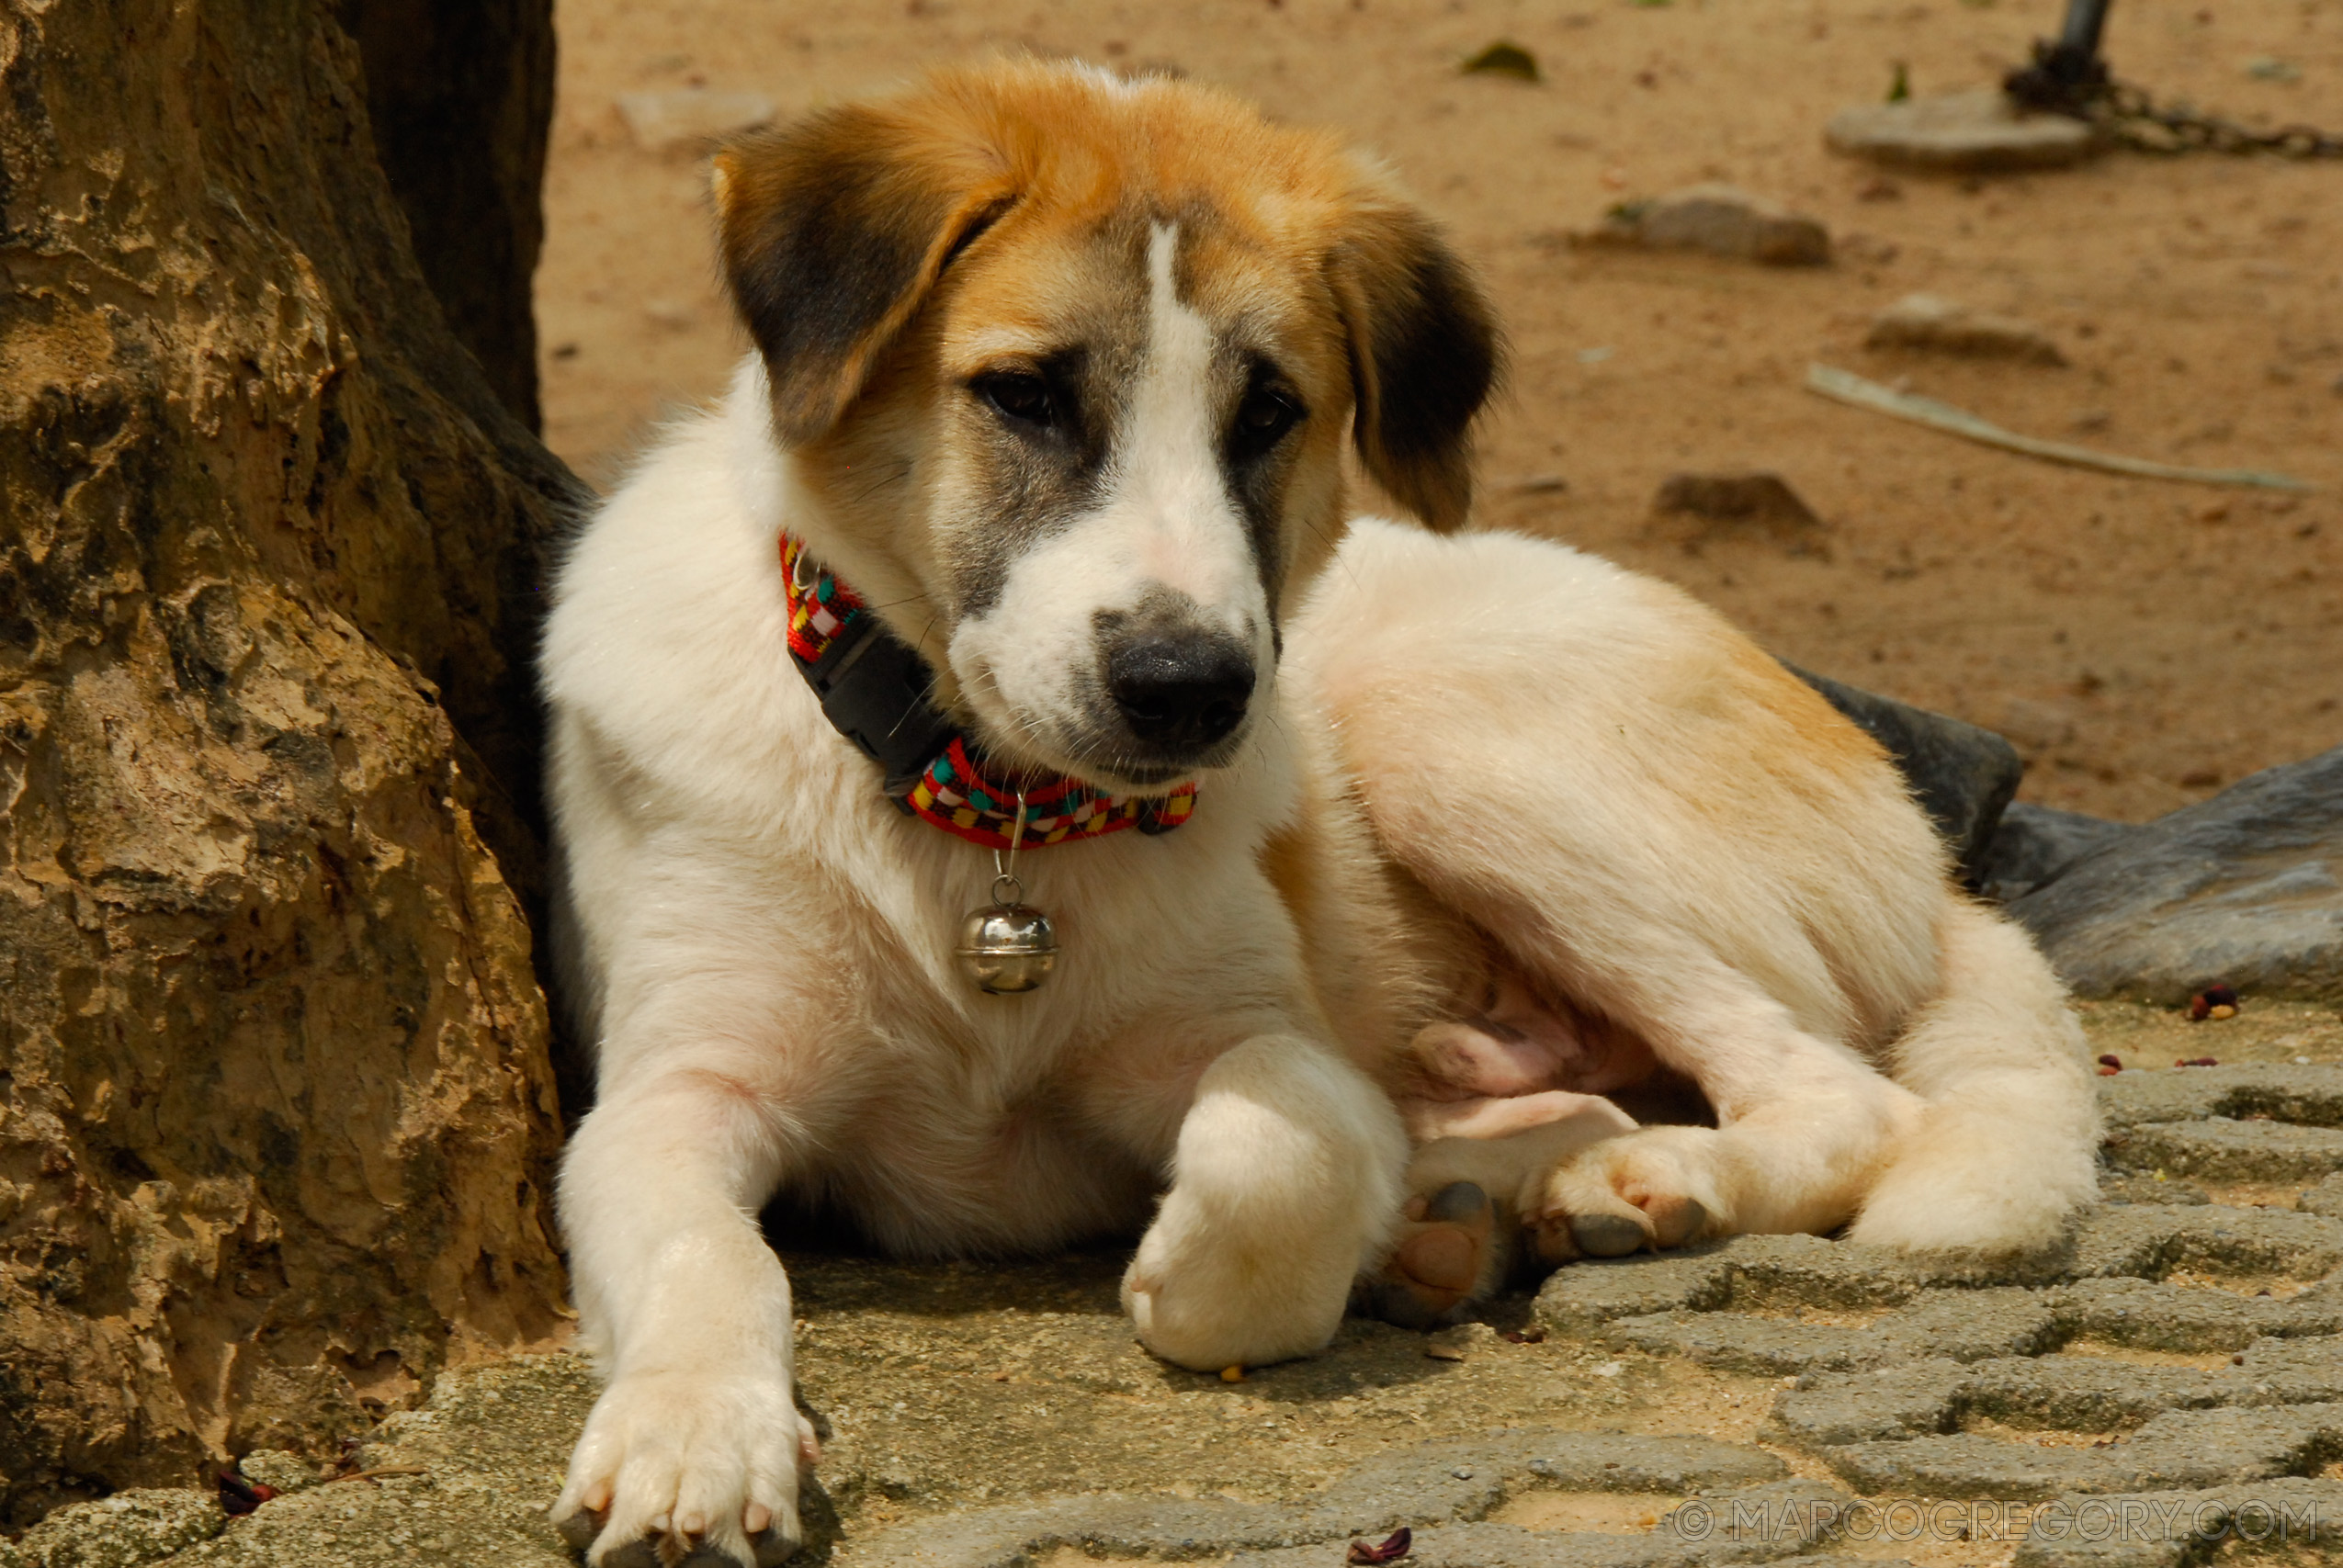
[
  {"x": 2068, "y": 78},
  {"x": 2129, "y": 116}
]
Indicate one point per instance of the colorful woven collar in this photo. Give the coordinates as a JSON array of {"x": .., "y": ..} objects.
[{"x": 829, "y": 630}]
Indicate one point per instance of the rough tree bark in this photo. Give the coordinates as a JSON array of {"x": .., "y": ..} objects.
[{"x": 276, "y": 1110}]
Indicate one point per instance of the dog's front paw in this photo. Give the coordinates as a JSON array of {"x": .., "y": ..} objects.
[
  {"x": 1209, "y": 1296},
  {"x": 1655, "y": 1188},
  {"x": 687, "y": 1465}
]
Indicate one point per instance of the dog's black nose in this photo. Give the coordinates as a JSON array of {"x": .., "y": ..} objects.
[{"x": 1181, "y": 692}]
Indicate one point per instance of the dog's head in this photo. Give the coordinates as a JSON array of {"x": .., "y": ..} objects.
[{"x": 1069, "y": 362}]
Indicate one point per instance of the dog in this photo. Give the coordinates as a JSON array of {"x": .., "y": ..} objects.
[{"x": 1004, "y": 797}]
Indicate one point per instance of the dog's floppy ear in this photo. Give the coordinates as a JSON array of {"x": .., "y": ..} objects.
[
  {"x": 1424, "y": 355},
  {"x": 833, "y": 231}
]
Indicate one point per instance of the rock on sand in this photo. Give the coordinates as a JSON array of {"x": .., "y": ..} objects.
[
  {"x": 1977, "y": 131},
  {"x": 1934, "y": 324},
  {"x": 1719, "y": 218}
]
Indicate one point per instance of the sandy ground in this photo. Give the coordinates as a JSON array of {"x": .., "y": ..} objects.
[{"x": 2144, "y": 642}]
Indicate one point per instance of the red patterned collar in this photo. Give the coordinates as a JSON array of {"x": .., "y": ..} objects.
[{"x": 953, "y": 791}]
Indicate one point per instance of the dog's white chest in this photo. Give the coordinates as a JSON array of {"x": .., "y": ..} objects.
[{"x": 945, "y": 1158}]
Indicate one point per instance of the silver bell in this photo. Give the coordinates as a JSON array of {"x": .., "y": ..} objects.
[{"x": 1007, "y": 948}]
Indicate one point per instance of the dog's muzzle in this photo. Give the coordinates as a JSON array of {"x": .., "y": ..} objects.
[{"x": 1180, "y": 690}]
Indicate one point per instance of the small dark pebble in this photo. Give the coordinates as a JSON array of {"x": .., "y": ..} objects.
[
  {"x": 2196, "y": 1062},
  {"x": 2112, "y": 1060},
  {"x": 1391, "y": 1550}
]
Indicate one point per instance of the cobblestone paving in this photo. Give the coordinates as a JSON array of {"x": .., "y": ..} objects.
[
  {"x": 1450, "y": 1486},
  {"x": 1920, "y": 1381},
  {"x": 2163, "y": 1389},
  {"x": 2057, "y": 1390}
]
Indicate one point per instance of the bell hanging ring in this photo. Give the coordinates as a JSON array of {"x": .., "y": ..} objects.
[{"x": 1007, "y": 948}]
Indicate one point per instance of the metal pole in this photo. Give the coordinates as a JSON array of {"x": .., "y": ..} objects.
[
  {"x": 2066, "y": 76},
  {"x": 2086, "y": 19}
]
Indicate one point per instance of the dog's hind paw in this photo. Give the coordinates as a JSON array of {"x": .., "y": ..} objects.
[
  {"x": 1449, "y": 1252},
  {"x": 1642, "y": 1190}
]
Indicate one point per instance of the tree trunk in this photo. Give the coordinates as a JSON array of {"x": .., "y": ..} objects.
[
  {"x": 460, "y": 97},
  {"x": 276, "y": 1108}
]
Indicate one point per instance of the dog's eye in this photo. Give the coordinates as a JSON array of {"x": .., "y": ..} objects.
[
  {"x": 1019, "y": 394},
  {"x": 1264, "y": 418}
]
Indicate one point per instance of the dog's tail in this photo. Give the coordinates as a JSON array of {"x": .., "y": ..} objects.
[{"x": 2008, "y": 1148}]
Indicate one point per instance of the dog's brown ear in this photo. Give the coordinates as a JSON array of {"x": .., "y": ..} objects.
[
  {"x": 1424, "y": 356},
  {"x": 832, "y": 232}
]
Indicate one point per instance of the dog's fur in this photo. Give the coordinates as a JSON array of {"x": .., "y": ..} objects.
[{"x": 1502, "y": 827}]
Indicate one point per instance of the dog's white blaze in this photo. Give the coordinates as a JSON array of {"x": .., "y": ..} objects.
[
  {"x": 1168, "y": 485},
  {"x": 1166, "y": 522}
]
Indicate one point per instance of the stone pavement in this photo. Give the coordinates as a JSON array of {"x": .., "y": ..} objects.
[
  {"x": 1905, "y": 1378},
  {"x": 1450, "y": 1486},
  {"x": 1892, "y": 1366},
  {"x": 2168, "y": 1381}
]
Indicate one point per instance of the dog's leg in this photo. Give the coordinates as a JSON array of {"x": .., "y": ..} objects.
[
  {"x": 1495, "y": 1101},
  {"x": 1470, "y": 1190},
  {"x": 2004, "y": 1154},
  {"x": 1805, "y": 1125},
  {"x": 1981, "y": 1142},
  {"x": 1651, "y": 817},
  {"x": 695, "y": 1444},
  {"x": 1284, "y": 1186}
]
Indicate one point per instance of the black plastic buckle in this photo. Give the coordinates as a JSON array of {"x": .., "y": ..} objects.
[{"x": 874, "y": 690}]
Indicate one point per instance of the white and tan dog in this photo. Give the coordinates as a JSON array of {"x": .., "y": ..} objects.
[{"x": 1056, "y": 372}]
